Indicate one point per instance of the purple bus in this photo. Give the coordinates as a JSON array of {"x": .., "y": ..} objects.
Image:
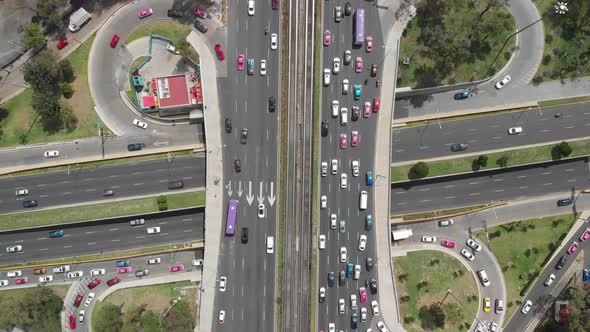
[
  {"x": 232, "y": 213},
  {"x": 359, "y": 26}
]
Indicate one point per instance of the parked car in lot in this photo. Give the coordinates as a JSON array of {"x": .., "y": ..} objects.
[
  {"x": 62, "y": 43},
  {"x": 94, "y": 283},
  {"x": 200, "y": 12},
  {"x": 89, "y": 299},
  {"x": 448, "y": 243},
  {"x": 202, "y": 28},
  {"x": 78, "y": 300},
  {"x": 155, "y": 260},
  {"x": 46, "y": 279},
  {"x": 97, "y": 272},
  {"x": 445, "y": 222},
  {"x": 114, "y": 281},
  {"x": 72, "y": 321}
]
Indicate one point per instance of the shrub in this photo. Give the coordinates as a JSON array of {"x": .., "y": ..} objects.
[
  {"x": 418, "y": 171},
  {"x": 548, "y": 38},
  {"x": 537, "y": 80},
  {"x": 546, "y": 59},
  {"x": 562, "y": 150},
  {"x": 502, "y": 161}
]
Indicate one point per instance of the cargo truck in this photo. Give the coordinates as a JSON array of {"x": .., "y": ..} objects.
[
  {"x": 78, "y": 18},
  {"x": 401, "y": 234}
]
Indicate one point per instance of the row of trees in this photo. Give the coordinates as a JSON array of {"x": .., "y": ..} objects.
[{"x": 37, "y": 310}]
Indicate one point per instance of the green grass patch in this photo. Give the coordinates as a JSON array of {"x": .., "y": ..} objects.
[
  {"x": 564, "y": 101},
  {"x": 522, "y": 247},
  {"x": 447, "y": 273},
  {"x": 17, "y": 294},
  {"x": 436, "y": 122},
  {"x": 515, "y": 157},
  {"x": 98, "y": 211},
  {"x": 439, "y": 213},
  {"x": 169, "y": 29}
]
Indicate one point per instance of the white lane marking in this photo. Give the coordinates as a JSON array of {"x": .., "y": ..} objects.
[
  {"x": 163, "y": 234},
  {"x": 113, "y": 229},
  {"x": 140, "y": 237},
  {"x": 187, "y": 178},
  {"x": 547, "y": 184},
  {"x": 67, "y": 192},
  {"x": 90, "y": 189},
  {"x": 66, "y": 247},
  {"x": 113, "y": 176},
  {"x": 450, "y": 186},
  {"x": 43, "y": 195},
  {"x": 569, "y": 170},
  {"x": 64, "y": 182},
  {"x": 115, "y": 187},
  {"x": 497, "y": 137},
  {"x": 401, "y": 203},
  {"x": 425, "y": 201},
  {"x": 546, "y": 173},
  {"x": 41, "y": 185},
  {"x": 574, "y": 180},
  {"x": 187, "y": 219},
  {"x": 44, "y": 249},
  {"x": 115, "y": 240},
  {"x": 163, "y": 181},
  {"x": 91, "y": 232},
  {"x": 474, "y": 182},
  {"x": 162, "y": 223},
  {"x": 138, "y": 184},
  {"x": 474, "y": 194},
  {"x": 91, "y": 243},
  {"x": 521, "y": 176},
  {"x": 423, "y": 147},
  {"x": 450, "y": 197},
  {"x": 496, "y": 180},
  {"x": 400, "y": 192},
  {"x": 19, "y": 241},
  {"x": 499, "y": 190},
  {"x": 545, "y": 130},
  {"x": 41, "y": 238},
  {"x": 424, "y": 189},
  {"x": 569, "y": 127},
  {"x": 523, "y": 187},
  {"x": 472, "y": 141}
]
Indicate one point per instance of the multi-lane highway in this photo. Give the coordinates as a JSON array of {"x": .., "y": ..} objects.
[
  {"x": 490, "y": 132},
  {"x": 250, "y": 296},
  {"x": 77, "y": 185},
  {"x": 478, "y": 188},
  {"x": 345, "y": 202},
  {"x": 101, "y": 237}
]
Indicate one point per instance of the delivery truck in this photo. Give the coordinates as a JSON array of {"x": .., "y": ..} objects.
[
  {"x": 78, "y": 18},
  {"x": 401, "y": 234}
]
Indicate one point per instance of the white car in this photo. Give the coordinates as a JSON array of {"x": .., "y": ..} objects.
[
  {"x": 155, "y": 260},
  {"x": 527, "y": 306},
  {"x": 263, "y": 67},
  {"x": 326, "y": 76},
  {"x": 322, "y": 294},
  {"x": 362, "y": 242},
  {"x": 324, "y": 202},
  {"x": 493, "y": 327},
  {"x": 222, "y": 283},
  {"x": 357, "y": 272},
  {"x": 343, "y": 181},
  {"x": 375, "y": 308},
  {"x": 250, "y": 13},
  {"x": 382, "y": 327},
  {"x": 22, "y": 192},
  {"x": 153, "y": 230},
  {"x": 46, "y": 279},
  {"x": 324, "y": 168},
  {"x": 335, "y": 108},
  {"x": 222, "y": 312},
  {"x": 343, "y": 116},
  {"x": 515, "y": 130},
  {"x": 331, "y": 327},
  {"x": 261, "y": 210},
  {"x": 336, "y": 66},
  {"x": 343, "y": 254},
  {"x": 503, "y": 82},
  {"x": 322, "y": 241},
  {"x": 345, "y": 86},
  {"x": 172, "y": 49},
  {"x": 62, "y": 269},
  {"x": 429, "y": 239},
  {"x": 549, "y": 280},
  {"x": 197, "y": 262},
  {"x": 75, "y": 274},
  {"x": 14, "y": 274},
  {"x": 3, "y": 283},
  {"x": 474, "y": 245},
  {"x": 347, "y": 57},
  {"x": 355, "y": 167},
  {"x": 363, "y": 314},
  {"x": 334, "y": 166},
  {"x": 16, "y": 248},
  {"x": 97, "y": 272},
  {"x": 51, "y": 154},
  {"x": 333, "y": 221},
  {"x": 140, "y": 124},
  {"x": 81, "y": 314},
  {"x": 353, "y": 301},
  {"x": 341, "y": 306},
  {"x": 89, "y": 299},
  {"x": 274, "y": 41},
  {"x": 467, "y": 254}
]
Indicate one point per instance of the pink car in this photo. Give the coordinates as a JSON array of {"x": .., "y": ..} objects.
[
  {"x": 145, "y": 13},
  {"x": 358, "y": 64},
  {"x": 343, "y": 141},
  {"x": 240, "y": 62},
  {"x": 376, "y": 104},
  {"x": 448, "y": 243},
  {"x": 126, "y": 269},
  {"x": 572, "y": 249},
  {"x": 586, "y": 235},
  {"x": 367, "y": 110},
  {"x": 369, "y": 45},
  {"x": 327, "y": 37},
  {"x": 200, "y": 13},
  {"x": 21, "y": 281},
  {"x": 363, "y": 294},
  {"x": 176, "y": 268},
  {"x": 354, "y": 138}
]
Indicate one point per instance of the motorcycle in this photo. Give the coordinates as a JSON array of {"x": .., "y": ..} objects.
[
  {"x": 558, "y": 115},
  {"x": 378, "y": 83}
]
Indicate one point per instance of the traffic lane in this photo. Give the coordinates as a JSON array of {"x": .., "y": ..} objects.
[
  {"x": 538, "y": 293},
  {"x": 501, "y": 185},
  {"x": 91, "y": 239},
  {"x": 490, "y": 132},
  {"x": 88, "y": 184}
]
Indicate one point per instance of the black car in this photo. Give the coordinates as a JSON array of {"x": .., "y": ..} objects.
[
  {"x": 356, "y": 113},
  {"x": 459, "y": 147},
  {"x": 238, "y": 165},
  {"x": 174, "y": 13},
  {"x": 373, "y": 286},
  {"x": 564, "y": 202},
  {"x": 330, "y": 279},
  {"x": 244, "y": 136},
  {"x": 244, "y": 234},
  {"x": 175, "y": 184},
  {"x": 134, "y": 147},
  {"x": 324, "y": 128},
  {"x": 200, "y": 26},
  {"x": 271, "y": 104},
  {"x": 341, "y": 278},
  {"x": 369, "y": 264},
  {"x": 354, "y": 320},
  {"x": 30, "y": 204},
  {"x": 228, "y": 127},
  {"x": 348, "y": 9},
  {"x": 561, "y": 263}
]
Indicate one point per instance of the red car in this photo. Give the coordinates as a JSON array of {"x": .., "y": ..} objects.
[
  {"x": 219, "y": 52},
  {"x": 363, "y": 294},
  {"x": 62, "y": 43},
  {"x": 374, "y": 69},
  {"x": 115, "y": 40},
  {"x": 367, "y": 110},
  {"x": 145, "y": 12},
  {"x": 72, "y": 322},
  {"x": 240, "y": 62},
  {"x": 114, "y": 281},
  {"x": 586, "y": 235},
  {"x": 275, "y": 4},
  {"x": 21, "y": 281},
  {"x": 343, "y": 141},
  {"x": 78, "y": 300},
  {"x": 369, "y": 45},
  {"x": 327, "y": 37},
  {"x": 448, "y": 243},
  {"x": 126, "y": 269},
  {"x": 376, "y": 104},
  {"x": 358, "y": 64},
  {"x": 94, "y": 283},
  {"x": 176, "y": 268},
  {"x": 200, "y": 13},
  {"x": 572, "y": 249},
  {"x": 354, "y": 138}
]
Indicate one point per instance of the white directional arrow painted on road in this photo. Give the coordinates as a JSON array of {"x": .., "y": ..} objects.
[
  {"x": 240, "y": 189},
  {"x": 228, "y": 187},
  {"x": 260, "y": 195},
  {"x": 250, "y": 197},
  {"x": 158, "y": 143},
  {"x": 271, "y": 197}
]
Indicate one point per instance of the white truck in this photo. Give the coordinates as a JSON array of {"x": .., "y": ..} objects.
[
  {"x": 401, "y": 234},
  {"x": 78, "y": 18}
]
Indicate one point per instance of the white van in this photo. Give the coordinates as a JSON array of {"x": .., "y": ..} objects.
[
  {"x": 270, "y": 244},
  {"x": 343, "y": 116},
  {"x": 353, "y": 301},
  {"x": 483, "y": 277},
  {"x": 499, "y": 306},
  {"x": 357, "y": 272},
  {"x": 335, "y": 108},
  {"x": 363, "y": 200}
]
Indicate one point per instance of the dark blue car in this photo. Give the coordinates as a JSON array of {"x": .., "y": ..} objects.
[
  {"x": 564, "y": 202},
  {"x": 586, "y": 275},
  {"x": 354, "y": 321},
  {"x": 59, "y": 233},
  {"x": 461, "y": 95},
  {"x": 331, "y": 279},
  {"x": 349, "y": 268}
]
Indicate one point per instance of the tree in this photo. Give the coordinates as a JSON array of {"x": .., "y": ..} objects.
[
  {"x": 453, "y": 313},
  {"x": 502, "y": 161},
  {"x": 561, "y": 150},
  {"x": 42, "y": 73},
  {"x": 50, "y": 11},
  {"x": 482, "y": 160},
  {"x": 432, "y": 317},
  {"x": 108, "y": 318},
  {"x": 179, "y": 319},
  {"x": 66, "y": 89},
  {"x": 418, "y": 171},
  {"x": 32, "y": 35},
  {"x": 66, "y": 70},
  {"x": 37, "y": 310}
]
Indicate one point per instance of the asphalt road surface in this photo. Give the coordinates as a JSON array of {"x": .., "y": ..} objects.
[
  {"x": 78, "y": 185},
  {"x": 490, "y": 132},
  {"x": 345, "y": 202},
  {"x": 96, "y": 238},
  {"x": 502, "y": 185}
]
